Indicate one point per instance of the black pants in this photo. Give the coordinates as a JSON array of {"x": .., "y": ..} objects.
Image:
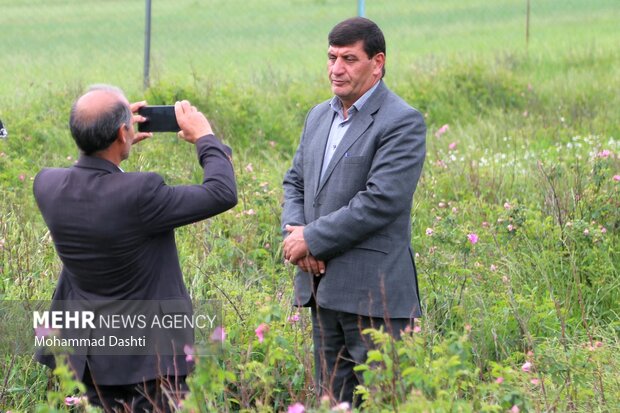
[
  {"x": 151, "y": 396},
  {"x": 339, "y": 346}
]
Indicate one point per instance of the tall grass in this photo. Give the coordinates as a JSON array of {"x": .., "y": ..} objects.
[{"x": 527, "y": 163}]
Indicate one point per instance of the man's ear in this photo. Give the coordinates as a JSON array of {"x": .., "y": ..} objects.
[
  {"x": 121, "y": 135},
  {"x": 379, "y": 60}
]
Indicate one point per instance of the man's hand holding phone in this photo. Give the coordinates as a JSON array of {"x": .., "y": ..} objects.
[
  {"x": 194, "y": 125},
  {"x": 182, "y": 118},
  {"x": 139, "y": 119}
]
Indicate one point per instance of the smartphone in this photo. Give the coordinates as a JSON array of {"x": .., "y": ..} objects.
[{"x": 158, "y": 119}]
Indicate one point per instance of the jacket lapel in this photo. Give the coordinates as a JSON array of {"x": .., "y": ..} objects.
[
  {"x": 318, "y": 150},
  {"x": 362, "y": 121}
]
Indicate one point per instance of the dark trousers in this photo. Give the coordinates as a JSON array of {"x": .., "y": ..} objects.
[
  {"x": 339, "y": 346},
  {"x": 151, "y": 396}
]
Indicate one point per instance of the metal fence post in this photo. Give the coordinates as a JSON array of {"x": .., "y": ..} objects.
[
  {"x": 360, "y": 8},
  {"x": 147, "y": 45}
]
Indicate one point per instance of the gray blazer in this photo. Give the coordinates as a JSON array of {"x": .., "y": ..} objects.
[{"x": 358, "y": 217}]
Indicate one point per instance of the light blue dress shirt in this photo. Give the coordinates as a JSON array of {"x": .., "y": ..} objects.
[{"x": 340, "y": 125}]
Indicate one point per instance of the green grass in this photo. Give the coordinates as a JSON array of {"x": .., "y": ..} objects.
[{"x": 528, "y": 125}]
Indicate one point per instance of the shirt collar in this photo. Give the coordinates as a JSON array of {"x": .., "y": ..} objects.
[{"x": 336, "y": 104}]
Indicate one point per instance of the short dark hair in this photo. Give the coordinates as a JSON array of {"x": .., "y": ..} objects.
[
  {"x": 355, "y": 29},
  {"x": 95, "y": 133}
]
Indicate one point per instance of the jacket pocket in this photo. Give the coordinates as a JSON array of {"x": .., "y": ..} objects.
[
  {"x": 354, "y": 159},
  {"x": 379, "y": 243}
]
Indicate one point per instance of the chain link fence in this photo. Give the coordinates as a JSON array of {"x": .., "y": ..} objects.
[
  {"x": 84, "y": 41},
  {"x": 51, "y": 43}
]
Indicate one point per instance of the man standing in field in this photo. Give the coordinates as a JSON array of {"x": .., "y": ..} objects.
[
  {"x": 347, "y": 208},
  {"x": 114, "y": 233}
]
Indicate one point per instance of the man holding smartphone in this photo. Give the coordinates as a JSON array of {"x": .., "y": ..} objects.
[{"x": 114, "y": 233}]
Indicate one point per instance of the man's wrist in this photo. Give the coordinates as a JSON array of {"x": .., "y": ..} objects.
[{"x": 203, "y": 135}]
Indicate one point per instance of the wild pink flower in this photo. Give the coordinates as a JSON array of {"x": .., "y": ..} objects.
[
  {"x": 604, "y": 153},
  {"x": 441, "y": 205},
  {"x": 505, "y": 279},
  {"x": 294, "y": 318},
  {"x": 260, "y": 332},
  {"x": 189, "y": 353},
  {"x": 249, "y": 168},
  {"x": 342, "y": 407},
  {"x": 429, "y": 231},
  {"x": 485, "y": 224},
  {"x": 452, "y": 146},
  {"x": 219, "y": 334},
  {"x": 499, "y": 380},
  {"x": 473, "y": 238},
  {"x": 468, "y": 327},
  {"x": 272, "y": 144},
  {"x": 527, "y": 367},
  {"x": 250, "y": 212},
  {"x": 514, "y": 409},
  {"x": 617, "y": 178},
  {"x": 42, "y": 331},
  {"x": 603, "y": 230},
  {"x": 586, "y": 232},
  {"x": 296, "y": 408},
  {"x": 442, "y": 130},
  {"x": 598, "y": 344},
  {"x": 510, "y": 227},
  {"x": 455, "y": 210},
  {"x": 507, "y": 205},
  {"x": 417, "y": 329},
  {"x": 493, "y": 267},
  {"x": 73, "y": 400},
  {"x": 535, "y": 382},
  {"x": 22, "y": 177},
  {"x": 441, "y": 163}
]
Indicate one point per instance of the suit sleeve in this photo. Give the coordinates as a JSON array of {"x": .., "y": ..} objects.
[
  {"x": 163, "y": 207},
  {"x": 391, "y": 182},
  {"x": 293, "y": 207}
]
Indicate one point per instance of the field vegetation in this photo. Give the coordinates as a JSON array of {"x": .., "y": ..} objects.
[{"x": 516, "y": 219}]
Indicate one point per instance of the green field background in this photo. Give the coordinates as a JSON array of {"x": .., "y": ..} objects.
[
  {"x": 530, "y": 162},
  {"x": 51, "y": 43}
]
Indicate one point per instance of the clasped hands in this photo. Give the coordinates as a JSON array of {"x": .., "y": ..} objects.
[{"x": 296, "y": 251}]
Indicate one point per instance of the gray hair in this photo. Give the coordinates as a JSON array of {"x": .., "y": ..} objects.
[{"x": 94, "y": 131}]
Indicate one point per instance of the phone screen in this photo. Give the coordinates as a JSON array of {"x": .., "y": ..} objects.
[{"x": 158, "y": 119}]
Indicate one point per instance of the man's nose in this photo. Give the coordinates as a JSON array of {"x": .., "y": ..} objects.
[{"x": 338, "y": 66}]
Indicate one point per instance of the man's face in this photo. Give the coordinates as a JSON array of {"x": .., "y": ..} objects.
[{"x": 352, "y": 72}]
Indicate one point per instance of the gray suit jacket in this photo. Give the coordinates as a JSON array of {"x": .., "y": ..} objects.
[{"x": 358, "y": 217}]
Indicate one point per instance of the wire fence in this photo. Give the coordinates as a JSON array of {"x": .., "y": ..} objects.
[
  {"x": 47, "y": 43},
  {"x": 84, "y": 41}
]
